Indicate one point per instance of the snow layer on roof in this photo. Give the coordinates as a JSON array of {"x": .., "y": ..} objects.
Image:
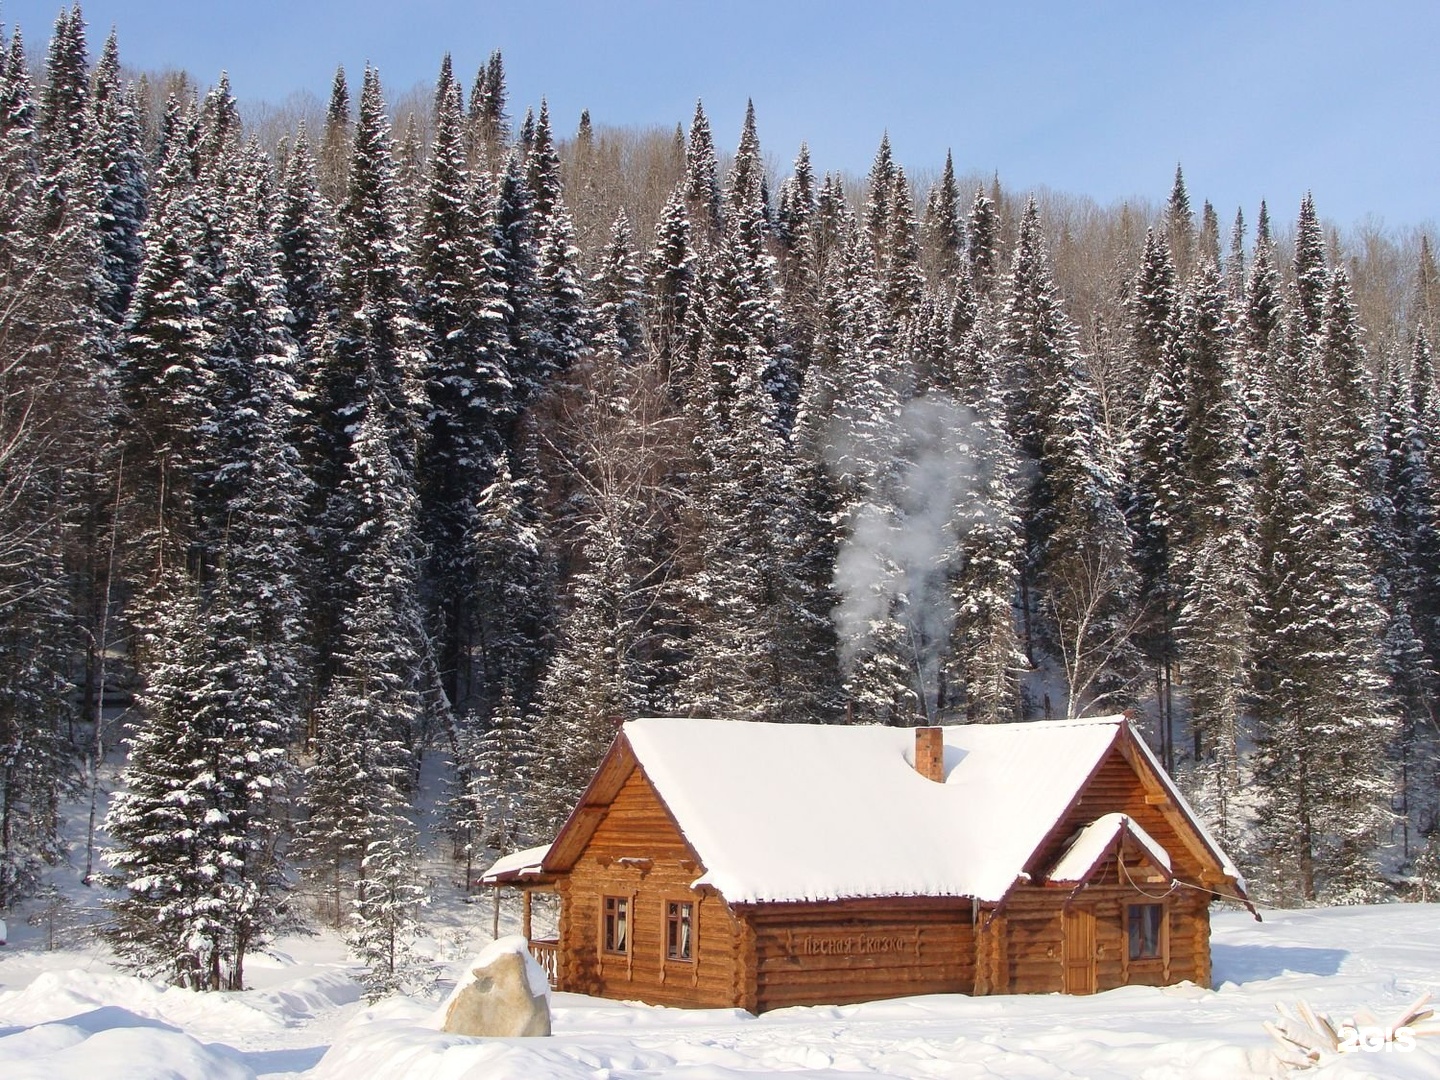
[
  {"x": 1096, "y": 840},
  {"x": 516, "y": 864},
  {"x": 794, "y": 812}
]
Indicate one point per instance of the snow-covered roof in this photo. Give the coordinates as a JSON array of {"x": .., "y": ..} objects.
[
  {"x": 793, "y": 812},
  {"x": 516, "y": 865},
  {"x": 1095, "y": 841}
]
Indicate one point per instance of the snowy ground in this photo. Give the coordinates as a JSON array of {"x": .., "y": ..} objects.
[{"x": 69, "y": 1014}]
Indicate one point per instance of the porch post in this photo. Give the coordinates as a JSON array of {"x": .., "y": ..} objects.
[{"x": 525, "y": 916}]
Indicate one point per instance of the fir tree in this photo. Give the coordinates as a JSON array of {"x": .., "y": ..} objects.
[
  {"x": 195, "y": 829},
  {"x": 702, "y": 179},
  {"x": 489, "y": 123},
  {"x": 671, "y": 272},
  {"x": 123, "y": 187},
  {"x": 467, "y": 380},
  {"x": 944, "y": 230},
  {"x": 335, "y": 141},
  {"x": 1235, "y": 262},
  {"x": 513, "y": 584},
  {"x": 1311, "y": 274},
  {"x": 558, "y": 314},
  {"x": 982, "y": 244},
  {"x": 381, "y": 701},
  {"x": 384, "y": 920},
  {"x": 1321, "y": 695},
  {"x": 879, "y": 193},
  {"x": 369, "y": 360},
  {"x": 1180, "y": 225}
]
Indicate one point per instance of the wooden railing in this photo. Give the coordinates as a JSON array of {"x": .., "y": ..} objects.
[{"x": 547, "y": 955}]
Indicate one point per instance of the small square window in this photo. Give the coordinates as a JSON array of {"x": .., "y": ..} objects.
[
  {"x": 1145, "y": 923},
  {"x": 679, "y": 930},
  {"x": 617, "y": 924}
]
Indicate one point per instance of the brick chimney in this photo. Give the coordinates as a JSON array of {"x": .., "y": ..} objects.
[{"x": 930, "y": 753}]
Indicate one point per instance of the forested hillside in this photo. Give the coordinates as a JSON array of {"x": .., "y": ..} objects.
[{"x": 327, "y": 446}]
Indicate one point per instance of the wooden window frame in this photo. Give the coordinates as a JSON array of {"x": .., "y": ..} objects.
[
  {"x": 674, "y": 922},
  {"x": 616, "y": 912},
  {"x": 1133, "y": 916}
]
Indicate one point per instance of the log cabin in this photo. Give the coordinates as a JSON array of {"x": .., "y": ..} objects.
[{"x": 733, "y": 864}]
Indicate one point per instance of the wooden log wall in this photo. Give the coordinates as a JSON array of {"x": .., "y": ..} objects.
[
  {"x": 638, "y": 853},
  {"x": 1035, "y": 939},
  {"x": 860, "y": 950}
]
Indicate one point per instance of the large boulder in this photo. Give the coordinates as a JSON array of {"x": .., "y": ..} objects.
[{"x": 505, "y": 993}]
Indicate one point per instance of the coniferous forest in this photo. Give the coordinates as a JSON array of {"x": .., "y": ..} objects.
[{"x": 454, "y": 433}]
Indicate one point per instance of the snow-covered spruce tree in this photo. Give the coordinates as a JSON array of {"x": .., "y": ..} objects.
[
  {"x": 1214, "y": 552},
  {"x": 1077, "y": 573},
  {"x": 879, "y": 191},
  {"x": 333, "y": 158},
  {"x": 862, "y": 453},
  {"x": 702, "y": 181},
  {"x": 557, "y": 329},
  {"x": 1085, "y": 573},
  {"x": 744, "y": 385},
  {"x": 1235, "y": 263},
  {"x": 903, "y": 280},
  {"x": 384, "y": 919},
  {"x": 380, "y": 703},
  {"x": 38, "y": 763},
  {"x": 738, "y": 450},
  {"x": 671, "y": 274},
  {"x": 1323, "y": 716},
  {"x": 1416, "y": 521},
  {"x": 616, "y": 297},
  {"x": 1405, "y": 544},
  {"x": 801, "y": 261},
  {"x": 982, "y": 242},
  {"x": 1180, "y": 226},
  {"x": 304, "y": 236},
  {"x": 253, "y": 470},
  {"x": 505, "y": 765},
  {"x": 1207, "y": 241},
  {"x": 124, "y": 190},
  {"x": 944, "y": 228},
  {"x": 513, "y": 583},
  {"x": 459, "y": 302},
  {"x": 210, "y": 760},
  {"x": 195, "y": 830},
  {"x": 488, "y": 130},
  {"x": 1312, "y": 277},
  {"x": 515, "y": 257},
  {"x": 162, "y": 367},
  {"x": 490, "y": 785},
  {"x": 984, "y": 655},
  {"x": 368, "y": 363},
  {"x": 50, "y": 402},
  {"x": 593, "y": 681},
  {"x": 1155, "y": 451}
]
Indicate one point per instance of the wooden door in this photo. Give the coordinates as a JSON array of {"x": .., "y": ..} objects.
[{"x": 1079, "y": 951}]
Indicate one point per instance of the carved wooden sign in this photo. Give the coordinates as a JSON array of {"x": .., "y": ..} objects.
[{"x": 828, "y": 943}]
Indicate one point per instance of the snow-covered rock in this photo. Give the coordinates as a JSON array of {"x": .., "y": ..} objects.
[{"x": 505, "y": 994}]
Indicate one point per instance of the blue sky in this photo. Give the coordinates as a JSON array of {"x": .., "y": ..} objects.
[{"x": 1256, "y": 100}]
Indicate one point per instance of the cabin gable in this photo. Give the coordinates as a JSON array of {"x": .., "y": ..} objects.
[
  {"x": 1122, "y": 784},
  {"x": 633, "y": 875}
]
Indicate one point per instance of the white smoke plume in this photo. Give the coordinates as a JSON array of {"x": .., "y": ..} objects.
[{"x": 907, "y": 535}]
